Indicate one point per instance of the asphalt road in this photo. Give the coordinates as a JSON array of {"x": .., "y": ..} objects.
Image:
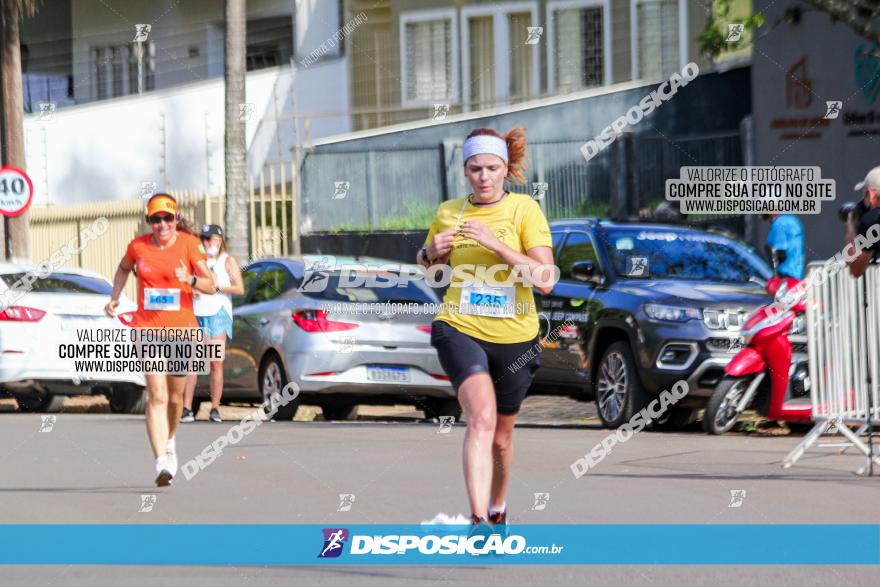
[{"x": 94, "y": 468}]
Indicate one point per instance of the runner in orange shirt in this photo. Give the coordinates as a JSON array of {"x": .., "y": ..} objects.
[{"x": 169, "y": 263}]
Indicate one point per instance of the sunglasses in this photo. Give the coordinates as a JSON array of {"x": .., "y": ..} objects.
[{"x": 166, "y": 218}]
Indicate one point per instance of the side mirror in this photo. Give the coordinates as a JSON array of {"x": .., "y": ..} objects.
[{"x": 585, "y": 271}]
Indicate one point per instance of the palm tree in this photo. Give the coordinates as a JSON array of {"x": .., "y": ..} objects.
[
  {"x": 14, "y": 232},
  {"x": 235, "y": 145}
]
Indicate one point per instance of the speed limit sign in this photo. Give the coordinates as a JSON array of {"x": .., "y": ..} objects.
[{"x": 16, "y": 191}]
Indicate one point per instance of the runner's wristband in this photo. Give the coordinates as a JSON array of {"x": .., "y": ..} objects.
[
  {"x": 425, "y": 255},
  {"x": 193, "y": 282}
]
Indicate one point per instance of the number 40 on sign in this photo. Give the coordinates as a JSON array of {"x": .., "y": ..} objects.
[{"x": 16, "y": 191}]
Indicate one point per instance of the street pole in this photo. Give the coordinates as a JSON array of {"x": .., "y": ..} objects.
[{"x": 15, "y": 230}]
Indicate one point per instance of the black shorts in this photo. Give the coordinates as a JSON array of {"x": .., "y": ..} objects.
[{"x": 511, "y": 366}]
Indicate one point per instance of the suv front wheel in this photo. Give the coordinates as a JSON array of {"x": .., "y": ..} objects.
[{"x": 619, "y": 393}]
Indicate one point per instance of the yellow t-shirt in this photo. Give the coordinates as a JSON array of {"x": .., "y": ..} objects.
[{"x": 519, "y": 223}]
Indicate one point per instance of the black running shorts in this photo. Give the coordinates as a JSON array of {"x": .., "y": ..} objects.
[{"x": 511, "y": 366}]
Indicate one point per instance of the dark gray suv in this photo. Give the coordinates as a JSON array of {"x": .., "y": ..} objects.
[{"x": 641, "y": 306}]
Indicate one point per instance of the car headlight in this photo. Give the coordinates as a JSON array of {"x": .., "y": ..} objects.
[{"x": 671, "y": 313}]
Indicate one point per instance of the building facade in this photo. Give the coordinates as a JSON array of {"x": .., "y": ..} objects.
[{"x": 120, "y": 96}]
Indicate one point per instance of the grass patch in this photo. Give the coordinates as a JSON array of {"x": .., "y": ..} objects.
[{"x": 419, "y": 215}]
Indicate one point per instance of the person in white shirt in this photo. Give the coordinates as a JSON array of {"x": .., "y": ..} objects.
[{"x": 214, "y": 314}]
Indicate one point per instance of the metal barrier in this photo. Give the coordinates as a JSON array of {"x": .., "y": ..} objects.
[{"x": 843, "y": 326}]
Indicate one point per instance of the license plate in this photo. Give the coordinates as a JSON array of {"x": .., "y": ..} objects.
[
  {"x": 79, "y": 322},
  {"x": 389, "y": 374}
]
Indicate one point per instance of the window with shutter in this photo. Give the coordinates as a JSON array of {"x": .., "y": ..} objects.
[
  {"x": 428, "y": 60},
  {"x": 657, "y": 42}
]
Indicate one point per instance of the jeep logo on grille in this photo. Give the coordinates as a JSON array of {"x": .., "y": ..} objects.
[{"x": 724, "y": 319}]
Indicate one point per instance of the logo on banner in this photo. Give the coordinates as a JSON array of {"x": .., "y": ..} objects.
[
  {"x": 867, "y": 70},
  {"x": 334, "y": 540},
  {"x": 798, "y": 87}
]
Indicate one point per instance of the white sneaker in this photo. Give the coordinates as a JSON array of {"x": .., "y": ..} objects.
[
  {"x": 163, "y": 474},
  {"x": 171, "y": 454}
]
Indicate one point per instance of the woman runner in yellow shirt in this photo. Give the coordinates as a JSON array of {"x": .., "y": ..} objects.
[{"x": 486, "y": 332}]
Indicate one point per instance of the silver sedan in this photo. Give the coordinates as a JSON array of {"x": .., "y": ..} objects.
[{"x": 343, "y": 343}]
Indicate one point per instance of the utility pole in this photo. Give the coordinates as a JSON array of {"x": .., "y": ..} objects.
[{"x": 15, "y": 230}]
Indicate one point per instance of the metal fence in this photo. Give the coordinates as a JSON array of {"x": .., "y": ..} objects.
[
  {"x": 385, "y": 189},
  {"x": 376, "y": 189},
  {"x": 843, "y": 315}
]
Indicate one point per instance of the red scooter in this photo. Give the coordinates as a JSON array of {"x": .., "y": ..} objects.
[{"x": 768, "y": 373}]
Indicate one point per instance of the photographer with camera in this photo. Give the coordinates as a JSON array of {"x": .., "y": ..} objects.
[{"x": 860, "y": 217}]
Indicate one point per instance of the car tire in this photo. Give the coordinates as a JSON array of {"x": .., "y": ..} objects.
[
  {"x": 128, "y": 400},
  {"x": 39, "y": 402},
  {"x": 340, "y": 412},
  {"x": 436, "y": 408},
  {"x": 728, "y": 389},
  {"x": 272, "y": 380},
  {"x": 675, "y": 419},
  {"x": 619, "y": 392}
]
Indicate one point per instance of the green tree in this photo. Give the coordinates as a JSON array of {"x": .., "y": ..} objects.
[{"x": 863, "y": 16}]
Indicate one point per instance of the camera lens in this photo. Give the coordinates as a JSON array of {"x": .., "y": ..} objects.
[{"x": 846, "y": 208}]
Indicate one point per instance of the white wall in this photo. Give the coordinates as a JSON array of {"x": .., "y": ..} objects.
[
  {"x": 174, "y": 135},
  {"x": 104, "y": 150},
  {"x": 176, "y": 28},
  {"x": 320, "y": 89},
  {"x": 316, "y": 20}
]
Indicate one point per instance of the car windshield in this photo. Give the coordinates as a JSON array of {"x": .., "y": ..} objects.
[
  {"x": 59, "y": 283},
  {"x": 412, "y": 292},
  {"x": 687, "y": 255}
]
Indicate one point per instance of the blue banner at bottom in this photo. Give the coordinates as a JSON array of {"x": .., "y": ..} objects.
[{"x": 562, "y": 544}]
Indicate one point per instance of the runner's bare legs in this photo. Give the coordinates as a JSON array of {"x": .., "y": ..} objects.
[
  {"x": 502, "y": 457},
  {"x": 477, "y": 397},
  {"x": 176, "y": 386},
  {"x": 157, "y": 410},
  {"x": 217, "y": 373}
]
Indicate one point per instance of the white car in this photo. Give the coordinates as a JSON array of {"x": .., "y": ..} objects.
[{"x": 39, "y": 315}]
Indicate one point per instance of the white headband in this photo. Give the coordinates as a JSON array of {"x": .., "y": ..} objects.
[{"x": 485, "y": 145}]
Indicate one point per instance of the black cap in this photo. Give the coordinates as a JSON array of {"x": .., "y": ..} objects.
[{"x": 211, "y": 229}]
